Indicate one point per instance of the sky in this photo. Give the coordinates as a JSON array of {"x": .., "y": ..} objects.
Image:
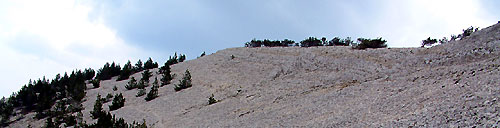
[{"x": 44, "y": 38}]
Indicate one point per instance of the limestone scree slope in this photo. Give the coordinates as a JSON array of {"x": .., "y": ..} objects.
[{"x": 449, "y": 85}]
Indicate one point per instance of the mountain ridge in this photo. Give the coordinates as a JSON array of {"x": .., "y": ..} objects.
[{"x": 452, "y": 84}]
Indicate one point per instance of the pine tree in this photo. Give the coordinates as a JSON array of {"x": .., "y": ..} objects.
[
  {"x": 97, "y": 111},
  {"x": 146, "y": 75},
  {"x": 131, "y": 84},
  {"x": 117, "y": 103},
  {"x": 6, "y": 110},
  {"x": 182, "y": 58},
  {"x": 150, "y": 64},
  {"x": 172, "y": 60},
  {"x": 166, "y": 76},
  {"x": 138, "y": 66},
  {"x": 153, "y": 93},
  {"x": 126, "y": 71},
  {"x": 185, "y": 82}
]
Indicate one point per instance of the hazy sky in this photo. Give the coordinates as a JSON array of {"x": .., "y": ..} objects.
[{"x": 45, "y": 37}]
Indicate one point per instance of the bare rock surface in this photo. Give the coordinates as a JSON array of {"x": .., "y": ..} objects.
[{"x": 449, "y": 85}]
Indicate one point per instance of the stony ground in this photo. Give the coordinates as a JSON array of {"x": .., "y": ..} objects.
[{"x": 449, "y": 85}]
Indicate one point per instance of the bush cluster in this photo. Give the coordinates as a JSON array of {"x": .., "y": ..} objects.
[{"x": 371, "y": 43}]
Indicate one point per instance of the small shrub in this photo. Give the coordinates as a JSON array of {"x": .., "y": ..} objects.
[
  {"x": 185, "y": 82},
  {"x": 232, "y": 57},
  {"x": 212, "y": 100},
  {"x": 140, "y": 93},
  {"x": 115, "y": 88},
  {"x": 117, "y": 103}
]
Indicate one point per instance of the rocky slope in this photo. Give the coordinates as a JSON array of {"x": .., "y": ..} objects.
[{"x": 449, "y": 85}]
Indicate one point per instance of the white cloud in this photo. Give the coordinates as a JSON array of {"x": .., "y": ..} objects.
[
  {"x": 62, "y": 38},
  {"x": 405, "y": 23}
]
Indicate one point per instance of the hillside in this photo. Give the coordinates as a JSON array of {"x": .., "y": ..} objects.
[{"x": 449, "y": 85}]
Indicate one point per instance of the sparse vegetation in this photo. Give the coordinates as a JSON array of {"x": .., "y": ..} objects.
[{"x": 185, "y": 82}]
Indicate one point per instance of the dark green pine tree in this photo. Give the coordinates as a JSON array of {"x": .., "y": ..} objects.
[
  {"x": 132, "y": 84},
  {"x": 172, "y": 60},
  {"x": 182, "y": 58},
  {"x": 153, "y": 93},
  {"x": 126, "y": 71},
  {"x": 97, "y": 111},
  {"x": 117, "y": 103},
  {"x": 6, "y": 110},
  {"x": 146, "y": 75},
  {"x": 166, "y": 76},
  {"x": 138, "y": 66},
  {"x": 185, "y": 82},
  {"x": 149, "y": 64}
]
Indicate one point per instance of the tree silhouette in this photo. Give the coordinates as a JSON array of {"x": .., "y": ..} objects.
[
  {"x": 428, "y": 42},
  {"x": 150, "y": 64},
  {"x": 126, "y": 71},
  {"x": 311, "y": 41},
  {"x": 371, "y": 43}
]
